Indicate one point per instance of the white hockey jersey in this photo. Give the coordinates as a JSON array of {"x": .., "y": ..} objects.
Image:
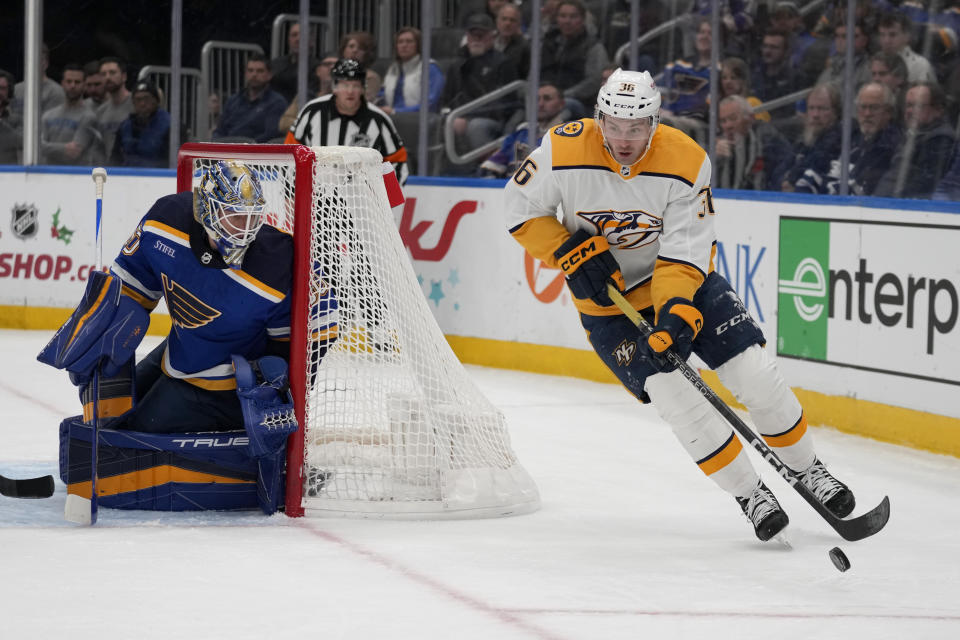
[{"x": 657, "y": 214}]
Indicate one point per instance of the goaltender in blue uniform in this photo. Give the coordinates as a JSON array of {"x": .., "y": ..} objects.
[
  {"x": 226, "y": 278},
  {"x": 636, "y": 211}
]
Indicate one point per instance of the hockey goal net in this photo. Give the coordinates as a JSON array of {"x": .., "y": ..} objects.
[{"x": 392, "y": 424}]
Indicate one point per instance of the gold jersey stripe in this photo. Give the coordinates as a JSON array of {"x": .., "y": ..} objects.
[{"x": 167, "y": 229}]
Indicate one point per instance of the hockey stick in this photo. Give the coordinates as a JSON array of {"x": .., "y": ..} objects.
[
  {"x": 853, "y": 529},
  {"x": 77, "y": 508},
  {"x": 27, "y": 487}
]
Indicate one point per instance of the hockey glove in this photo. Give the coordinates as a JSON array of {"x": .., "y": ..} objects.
[
  {"x": 678, "y": 324},
  {"x": 589, "y": 266},
  {"x": 266, "y": 402}
]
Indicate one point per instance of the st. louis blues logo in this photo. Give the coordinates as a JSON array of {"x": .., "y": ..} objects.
[
  {"x": 625, "y": 229},
  {"x": 186, "y": 310},
  {"x": 624, "y": 352}
]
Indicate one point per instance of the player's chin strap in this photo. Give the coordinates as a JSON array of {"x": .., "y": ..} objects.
[{"x": 268, "y": 418}]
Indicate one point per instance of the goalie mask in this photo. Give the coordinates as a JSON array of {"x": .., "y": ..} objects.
[
  {"x": 628, "y": 110},
  {"x": 229, "y": 204}
]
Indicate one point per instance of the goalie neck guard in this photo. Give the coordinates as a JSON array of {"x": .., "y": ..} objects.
[{"x": 229, "y": 204}]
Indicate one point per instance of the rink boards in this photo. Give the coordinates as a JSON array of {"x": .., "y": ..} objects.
[{"x": 858, "y": 297}]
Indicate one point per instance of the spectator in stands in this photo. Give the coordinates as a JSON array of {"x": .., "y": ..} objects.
[
  {"x": 401, "y": 83},
  {"x": 572, "y": 59},
  {"x": 806, "y": 54},
  {"x": 214, "y": 109},
  {"x": 891, "y": 70},
  {"x": 11, "y": 123},
  {"x": 686, "y": 86},
  {"x": 51, "y": 93},
  {"x": 921, "y": 161},
  {"x": 834, "y": 73},
  {"x": 735, "y": 81},
  {"x": 360, "y": 45},
  {"x": 510, "y": 40},
  {"x": 874, "y": 143},
  {"x": 877, "y": 138},
  {"x": 773, "y": 73},
  {"x": 820, "y": 140},
  {"x": 320, "y": 86},
  {"x": 949, "y": 187},
  {"x": 117, "y": 106},
  {"x": 481, "y": 70},
  {"x": 736, "y": 24},
  {"x": 93, "y": 89},
  {"x": 894, "y": 33},
  {"x": 548, "y": 16},
  {"x": 751, "y": 154},
  {"x": 347, "y": 118},
  {"x": 254, "y": 111},
  {"x": 283, "y": 69},
  {"x": 143, "y": 139},
  {"x": 67, "y": 131},
  {"x": 551, "y": 111}
]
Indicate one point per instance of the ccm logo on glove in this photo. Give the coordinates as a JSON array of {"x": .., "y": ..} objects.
[
  {"x": 679, "y": 324},
  {"x": 589, "y": 266}
]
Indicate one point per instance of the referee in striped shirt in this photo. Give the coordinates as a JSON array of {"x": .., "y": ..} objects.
[{"x": 346, "y": 118}]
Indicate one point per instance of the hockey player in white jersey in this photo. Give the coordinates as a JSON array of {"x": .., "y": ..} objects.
[{"x": 636, "y": 210}]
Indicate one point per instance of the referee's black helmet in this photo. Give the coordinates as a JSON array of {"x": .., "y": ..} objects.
[{"x": 348, "y": 69}]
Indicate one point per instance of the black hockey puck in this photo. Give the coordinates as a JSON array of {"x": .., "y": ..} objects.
[{"x": 839, "y": 559}]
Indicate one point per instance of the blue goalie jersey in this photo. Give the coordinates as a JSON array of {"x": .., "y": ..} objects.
[{"x": 215, "y": 311}]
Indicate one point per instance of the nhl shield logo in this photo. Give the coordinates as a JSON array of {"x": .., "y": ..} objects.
[
  {"x": 360, "y": 140},
  {"x": 25, "y": 221}
]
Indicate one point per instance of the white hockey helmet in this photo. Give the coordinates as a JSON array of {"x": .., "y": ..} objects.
[{"x": 629, "y": 94}]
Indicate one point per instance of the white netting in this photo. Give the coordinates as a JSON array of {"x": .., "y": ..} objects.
[{"x": 394, "y": 425}]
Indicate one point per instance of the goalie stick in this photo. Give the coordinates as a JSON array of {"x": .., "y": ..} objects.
[
  {"x": 852, "y": 529},
  {"x": 26, "y": 487},
  {"x": 77, "y": 508}
]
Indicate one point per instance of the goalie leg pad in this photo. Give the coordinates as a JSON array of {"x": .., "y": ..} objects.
[
  {"x": 162, "y": 472},
  {"x": 708, "y": 439},
  {"x": 754, "y": 378}
]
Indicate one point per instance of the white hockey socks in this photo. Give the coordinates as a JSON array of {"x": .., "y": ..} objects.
[
  {"x": 755, "y": 380},
  {"x": 706, "y": 436}
]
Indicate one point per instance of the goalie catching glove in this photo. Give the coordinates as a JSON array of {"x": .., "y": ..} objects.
[
  {"x": 589, "y": 266},
  {"x": 678, "y": 323},
  {"x": 267, "y": 405}
]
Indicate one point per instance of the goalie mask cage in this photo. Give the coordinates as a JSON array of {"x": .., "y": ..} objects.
[{"x": 392, "y": 425}]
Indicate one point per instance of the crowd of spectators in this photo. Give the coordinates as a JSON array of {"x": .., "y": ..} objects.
[{"x": 906, "y": 80}]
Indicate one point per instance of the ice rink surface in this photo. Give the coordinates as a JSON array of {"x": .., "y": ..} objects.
[{"x": 631, "y": 541}]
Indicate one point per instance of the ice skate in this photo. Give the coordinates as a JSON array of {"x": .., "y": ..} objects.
[
  {"x": 316, "y": 481},
  {"x": 763, "y": 510},
  {"x": 831, "y": 493}
]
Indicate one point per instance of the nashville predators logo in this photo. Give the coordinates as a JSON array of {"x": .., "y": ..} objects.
[
  {"x": 570, "y": 129},
  {"x": 186, "y": 310},
  {"x": 624, "y": 352},
  {"x": 625, "y": 229}
]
